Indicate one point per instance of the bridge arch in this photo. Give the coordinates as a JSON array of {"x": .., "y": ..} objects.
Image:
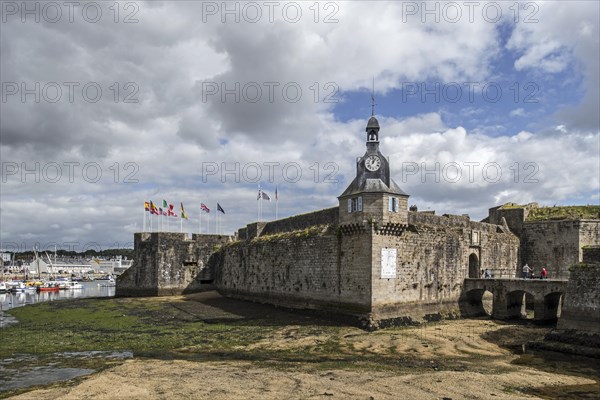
[
  {"x": 552, "y": 306},
  {"x": 478, "y": 302},
  {"x": 474, "y": 271},
  {"x": 518, "y": 302}
]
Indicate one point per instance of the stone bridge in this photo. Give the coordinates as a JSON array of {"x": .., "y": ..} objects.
[{"x": 512, "y": 297}]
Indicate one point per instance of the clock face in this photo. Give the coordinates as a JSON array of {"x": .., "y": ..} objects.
[{"x": 372, "y": 163}]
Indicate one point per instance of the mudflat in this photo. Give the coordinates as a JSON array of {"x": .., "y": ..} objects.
[{"x": 206, "y": 346}]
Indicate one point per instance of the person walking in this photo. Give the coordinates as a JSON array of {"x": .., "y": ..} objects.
[
  {"x": 526, "y": 271},
  {"x": 544, "y": 273}
]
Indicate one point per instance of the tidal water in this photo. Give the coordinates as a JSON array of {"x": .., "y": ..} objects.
[
  {"x": 22, "y": 371},
  {"x": 12, "y": 300}
]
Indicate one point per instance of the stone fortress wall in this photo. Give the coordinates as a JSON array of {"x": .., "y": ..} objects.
[
  {"x": 579, "y": 324},
  {"x": 333, "y": 267},
  {"x": 167, "y": 263},
  {"x": 555, "y": 244},
  {"x": 434, "y": 257}
]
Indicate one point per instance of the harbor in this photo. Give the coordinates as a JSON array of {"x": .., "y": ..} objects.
[{"x": 32, "y": 295}]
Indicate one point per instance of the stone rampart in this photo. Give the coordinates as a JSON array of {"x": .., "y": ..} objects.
[
  {"x": 556, "y": 245},
  {"x": 167, "y": 263},
  {"x": 328, "y": 216},
  {"x": 581, "y": 306},
  {"x": 307, "y": 268}
]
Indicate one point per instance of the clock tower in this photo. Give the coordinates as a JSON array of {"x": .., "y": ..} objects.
[{"x": 373, "y": 195}]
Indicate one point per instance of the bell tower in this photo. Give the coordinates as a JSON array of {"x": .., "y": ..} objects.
[{"x": 373, "y": 195}]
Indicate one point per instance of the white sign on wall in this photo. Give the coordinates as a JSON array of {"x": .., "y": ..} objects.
[{"x": 388, "y": 263}]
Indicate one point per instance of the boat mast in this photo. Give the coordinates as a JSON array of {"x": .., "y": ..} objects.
[{"x": 37, "y": 261}]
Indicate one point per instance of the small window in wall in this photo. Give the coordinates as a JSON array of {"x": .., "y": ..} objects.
[
  {"x": 355, "y": 204},
  {"x": 474, "y": 238},
  {"x": 393, "y": 204}
]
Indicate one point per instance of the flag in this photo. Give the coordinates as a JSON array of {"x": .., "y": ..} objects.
[
  {"x": 146, "y": 206},
  {"x": 153, "y": 208},
  {"x": 219, "y": 208},
  {"x": 162, "y": 212},
  {"x": 165, "y": 205},
  {"x": 170, "y": 212},
  {"x": 204, "y": 208},
  {"x": 183, "y": 212},
  {"x": 263, "y": 195}
]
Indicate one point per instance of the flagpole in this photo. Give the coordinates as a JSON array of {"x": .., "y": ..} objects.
[
  {"x": 181, "y": 222},
  {"x": 200, "y": 222},
  {"x": 276, "y": 204},
  {"x": 144, "y": 220}
]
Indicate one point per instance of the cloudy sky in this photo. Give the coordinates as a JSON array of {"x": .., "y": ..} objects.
[{"x": 107, "y": 105}]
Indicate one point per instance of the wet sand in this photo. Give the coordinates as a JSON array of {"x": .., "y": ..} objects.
[{"x": 465, "y": 359}]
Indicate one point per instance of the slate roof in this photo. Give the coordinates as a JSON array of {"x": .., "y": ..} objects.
[{"x": 372, "y": 186}]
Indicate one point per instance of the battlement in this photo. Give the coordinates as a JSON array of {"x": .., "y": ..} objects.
[
  {"x": 450, "y": 220},
  {"x": 327, "y": 216}
]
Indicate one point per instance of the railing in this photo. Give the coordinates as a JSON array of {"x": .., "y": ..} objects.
[{"x": 502, "y": 273}]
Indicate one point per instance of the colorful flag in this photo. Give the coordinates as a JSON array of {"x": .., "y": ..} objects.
[
  {"x": 153, "y": 208},
  {"x": 183, "y": 212},
  {"x": 146, "y": 206},
  {"x": 170, "y": 212},
  {"x": 165, "y": 205},
  {"x": 219, "y": 208},
  {"x": 204, "y": 208}
]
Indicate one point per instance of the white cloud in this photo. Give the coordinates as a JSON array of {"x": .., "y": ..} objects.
[
  {"x": 518, "y": 112},
  {"x": 566, "y": 35}
]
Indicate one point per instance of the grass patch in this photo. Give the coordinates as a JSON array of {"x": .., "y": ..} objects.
[{"x": 564, "y": 213}]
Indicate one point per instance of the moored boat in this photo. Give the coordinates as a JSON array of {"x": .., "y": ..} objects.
[
  {"x": 74, "y": 285},
  {"x": 108, "y": 283},
  {"x": 3, "y": 288},
  {"x": 15, "y": 286},
  {"x": 48, "y": 287}
]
